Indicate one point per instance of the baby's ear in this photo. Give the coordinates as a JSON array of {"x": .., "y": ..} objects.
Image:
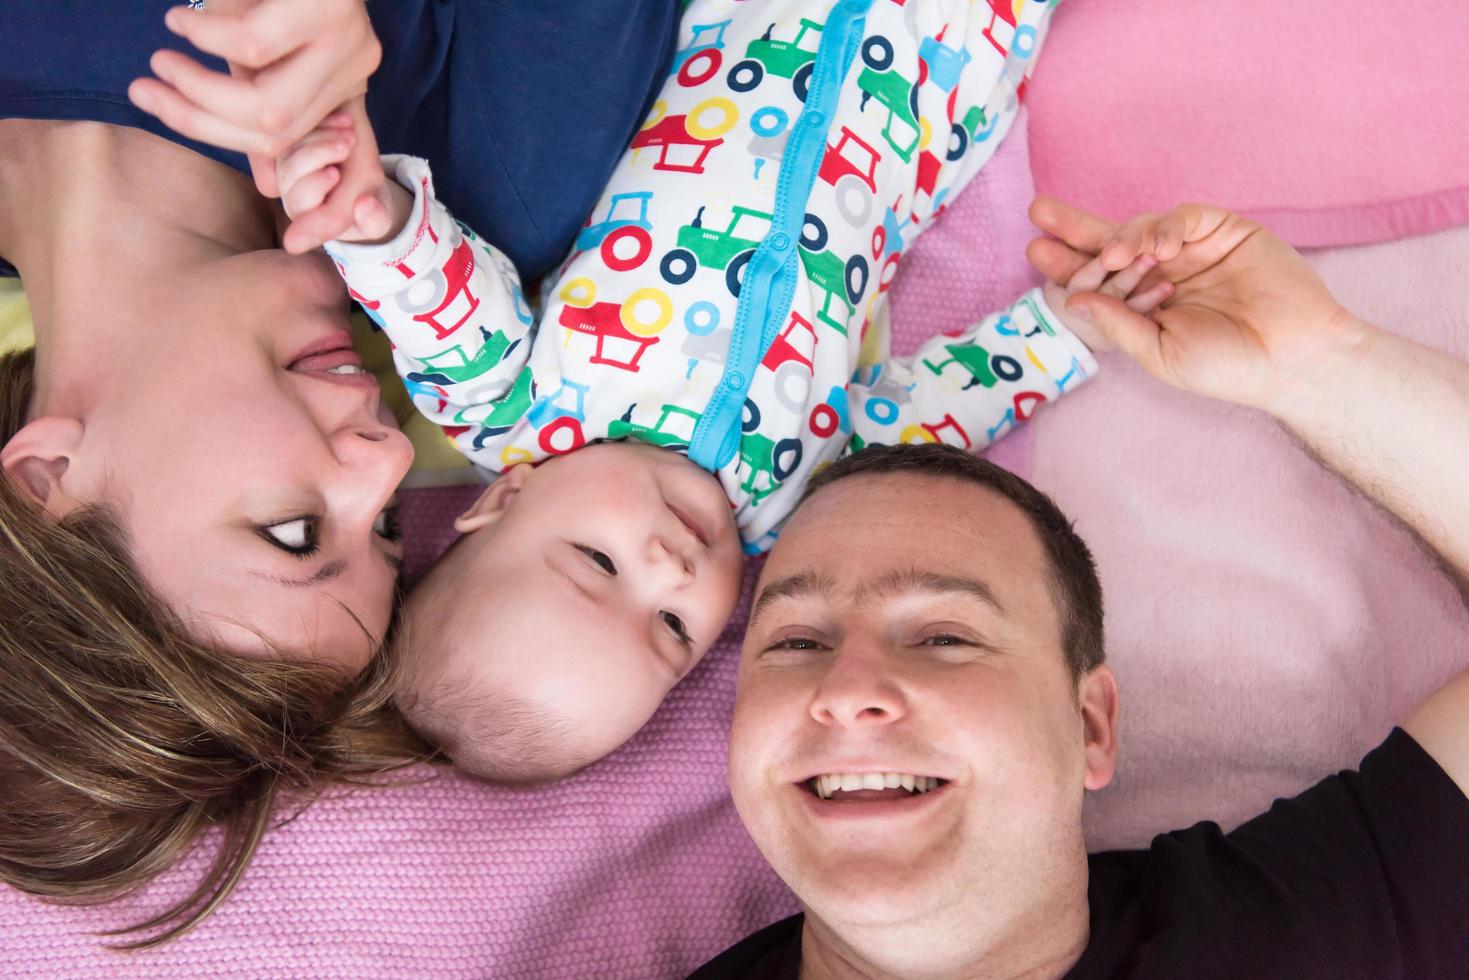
[{"x": 495, "y": 501}]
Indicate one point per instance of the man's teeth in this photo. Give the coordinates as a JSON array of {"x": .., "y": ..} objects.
[
  {"x": 826, "y": 785},
  {"x": 347, "y": 369}
]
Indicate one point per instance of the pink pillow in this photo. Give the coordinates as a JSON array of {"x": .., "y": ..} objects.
[{"x": 1334, "y": 122}]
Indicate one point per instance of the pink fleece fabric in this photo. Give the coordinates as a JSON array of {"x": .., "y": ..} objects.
[
  {"x": 1266, "y": 624},
  {"x": 1335, "y": 122}
]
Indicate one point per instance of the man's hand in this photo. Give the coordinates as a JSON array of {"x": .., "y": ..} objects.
[
  {"x": 311, "y": 172},
  {"x": 1122, "y": 285},
  {"x": 1249, "y": 319},
  {"x": 291, "y": 64}
]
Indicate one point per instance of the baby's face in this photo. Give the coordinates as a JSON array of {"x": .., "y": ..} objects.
[{"x": 601, "y": 578}]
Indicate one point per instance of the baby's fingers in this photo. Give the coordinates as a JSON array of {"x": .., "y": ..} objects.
[
  {"x": 1148, "y": 300},
  {"x": 1121, "y": 284},
  {"x": 310, "y": 192},
  {"x": 317, "y": 151}
]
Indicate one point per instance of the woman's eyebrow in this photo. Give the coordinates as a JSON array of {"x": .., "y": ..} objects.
[{"x": 326, "y": 573}]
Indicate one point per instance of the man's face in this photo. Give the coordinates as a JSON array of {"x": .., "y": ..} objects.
[{"x": 905, "y": 625}]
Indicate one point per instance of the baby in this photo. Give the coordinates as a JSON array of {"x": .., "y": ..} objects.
[{"x": 696, "y": 358}]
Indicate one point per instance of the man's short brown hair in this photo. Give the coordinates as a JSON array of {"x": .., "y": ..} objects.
[{"x": 1074, "y": 586}]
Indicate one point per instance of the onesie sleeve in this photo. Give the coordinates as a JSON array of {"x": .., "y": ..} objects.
[
  {"x": 970, "y": 388},
  {"x": 452, "y": 307}
]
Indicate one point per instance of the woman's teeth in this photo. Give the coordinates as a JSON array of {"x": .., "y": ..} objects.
[
  {"x": 824, "y": 786},
  {"x": 347, "y": 369}
]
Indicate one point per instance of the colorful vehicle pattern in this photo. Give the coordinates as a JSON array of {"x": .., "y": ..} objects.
[{"x": 716, "y": 298}]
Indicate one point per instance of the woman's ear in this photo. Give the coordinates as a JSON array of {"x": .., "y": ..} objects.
[
  {"x": 37, "y": 458},
  {"x": 1099, "y": 710},
  {"x": 495, "y": 501}
]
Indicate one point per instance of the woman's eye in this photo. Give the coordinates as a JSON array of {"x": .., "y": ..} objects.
[
  {"x": 677, "y": 625},
  {"x": 297, "y": 536},
  {"x": 600, "y": 558},
  {"x": 386, "y": 526}
]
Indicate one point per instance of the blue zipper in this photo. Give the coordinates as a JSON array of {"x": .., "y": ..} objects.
[{"x": 774, "y": 270}]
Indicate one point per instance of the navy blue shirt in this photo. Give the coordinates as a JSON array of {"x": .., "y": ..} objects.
[
  {"x": 522, "y": 107},
  {"x": 1365, "y": 875}
]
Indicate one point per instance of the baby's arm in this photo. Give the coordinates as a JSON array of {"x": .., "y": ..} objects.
[
  {"x": 971, "y": 388},
  {"x": 452, "y": 306}
]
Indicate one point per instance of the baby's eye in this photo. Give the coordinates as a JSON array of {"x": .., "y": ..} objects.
[
  {"x": 677, "y": 625},
  {"x": 600, "y": 558},
  {"x": 296, "y": 536}
]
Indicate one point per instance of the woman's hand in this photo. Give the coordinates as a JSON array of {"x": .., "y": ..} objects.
[
  {"x": 1248, "y": 318},
  {"x": 291, "y": 64}
]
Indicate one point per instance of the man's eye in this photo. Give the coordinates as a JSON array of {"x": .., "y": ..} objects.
[
  {"x": 795, "y": 643},
  {"x": 678, "y": 627},
  {"x": 601, "y": 559},
  {"x": 297, "y": 536},
  {"x": 946, "y": 640}
]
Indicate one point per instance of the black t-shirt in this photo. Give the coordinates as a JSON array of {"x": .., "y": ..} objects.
[{"x": 1366, "y": 874}]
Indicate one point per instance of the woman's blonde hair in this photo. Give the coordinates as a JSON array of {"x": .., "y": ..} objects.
[{"x": 122, "y": 738}]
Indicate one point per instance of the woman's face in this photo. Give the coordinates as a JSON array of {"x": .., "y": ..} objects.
[{"x": 252, "y": 478}]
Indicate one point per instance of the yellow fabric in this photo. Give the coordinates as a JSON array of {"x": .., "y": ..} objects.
[
  {"x": 435, "y": 459},
  {"x": 15, "y": 317}
]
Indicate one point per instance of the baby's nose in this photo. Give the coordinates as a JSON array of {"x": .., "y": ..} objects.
[{"x": 670, "y": 561}]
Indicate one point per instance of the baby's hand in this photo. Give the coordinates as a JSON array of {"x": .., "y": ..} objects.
[
  {"x": 1122, "y": 285},
  {"x": 312, "y": 168},
  {"x": 1249, "y": 319}
]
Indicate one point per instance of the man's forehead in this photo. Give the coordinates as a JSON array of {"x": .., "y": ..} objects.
[{"x": 900, "y": 517}]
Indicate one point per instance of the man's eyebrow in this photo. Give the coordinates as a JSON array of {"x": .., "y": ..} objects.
[
  {"x": 799, "y": 586},
  {"x": 913, "y": 580},
  {"x": 326, "y": 573}
]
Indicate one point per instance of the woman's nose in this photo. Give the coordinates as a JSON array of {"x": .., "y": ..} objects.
[{"x": 372, "y": 454}]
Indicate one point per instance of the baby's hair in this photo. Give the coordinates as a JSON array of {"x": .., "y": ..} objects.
[{"x": 504, "y": 739}]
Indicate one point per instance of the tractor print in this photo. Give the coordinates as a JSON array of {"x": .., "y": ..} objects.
[
  {"x": 509, "y": 410},
  {"x": 441, "y": 298},
  {"x": 983, "y": 368},
  {"x": 686, "y": 141},
  {"x": 453, "y": 366},
  {"x": 612, "y": 230},
  {"x": 843, "y": 282},
  {"x": 850, "y": 167},
  {"x": 939, "y": 63},
  {"x": 622, "y": 339},
  {"x": 975, "y": 127},
  {"x": 729, "y": 250},
  {"x": 766, "y": 464},
  {"x": 674, "y": 429},
  {"x": 697, "y": 63},
  {"x": 893, "y": 92},
  {"x": 784, "y": 59}
]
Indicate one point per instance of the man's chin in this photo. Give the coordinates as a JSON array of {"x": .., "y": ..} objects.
[{"x": 869, "y": 890}]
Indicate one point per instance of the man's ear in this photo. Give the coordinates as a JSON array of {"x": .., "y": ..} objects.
[
  {"x": 37, "y": 457},
  {"x": 495, "y": 501},
  {"x": 1100, "y": 705}
]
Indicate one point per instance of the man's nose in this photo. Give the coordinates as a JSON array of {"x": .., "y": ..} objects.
[{"x": 858, "y": 690}]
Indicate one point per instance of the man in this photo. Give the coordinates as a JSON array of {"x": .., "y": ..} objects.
[{"x": 923, "y": 702}]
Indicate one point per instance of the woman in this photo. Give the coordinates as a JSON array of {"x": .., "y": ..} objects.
[{"x": 196, "y": 545}]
